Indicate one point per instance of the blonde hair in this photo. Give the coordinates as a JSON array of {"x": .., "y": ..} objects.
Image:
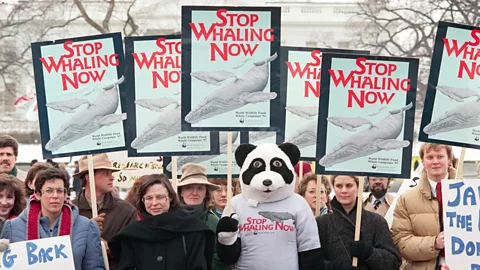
[{"x": 435, "y": 146}]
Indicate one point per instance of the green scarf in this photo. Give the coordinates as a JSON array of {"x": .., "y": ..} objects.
[{"x": 14, "y": 171}]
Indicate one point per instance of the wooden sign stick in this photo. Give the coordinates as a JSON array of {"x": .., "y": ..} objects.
[
  {"x": 93, "y": 193},
  {"x": 300, "y": 171},
  {"x": 229, "y": 173},
  {"x": 358, "y": 222},
  {"x": 317, "y": 203},
  {"x": 460, "y": 164},
  {"x": 174, "y": 173}
]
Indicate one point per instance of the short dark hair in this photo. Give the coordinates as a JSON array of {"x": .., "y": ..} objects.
[
  {"x": 13, "y": 184},
  {"x": 388, "y": 178},
  {"x": 32, "y": 172},
  {"x": 9, "y": 141},
  {"x": 155, "y": 179},
  {"x": 50, "y": 174}
]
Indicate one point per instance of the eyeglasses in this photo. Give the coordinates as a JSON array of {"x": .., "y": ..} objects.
[
  {"x": 159, "y": 198},
  {"x": 223, "y": 189},
  {"x": 50, "y": 191}
]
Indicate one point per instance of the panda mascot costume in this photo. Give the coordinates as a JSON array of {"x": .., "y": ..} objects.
[{"x": 271, "y": 227}]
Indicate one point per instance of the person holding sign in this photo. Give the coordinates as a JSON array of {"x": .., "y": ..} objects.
[
  {"x": 12, "y": 197},
  {"x": 8, "y": 157},
  {"x": 220, "y": 195},
  {"x": 49, "y": 213},
  {"x": 308, "y": 190},
  {"x": 379, "y": 200},
  {"x": 375, "y": 250},
  {"x": 417, "y": 226},
  {"x": 167, "y": 237}
]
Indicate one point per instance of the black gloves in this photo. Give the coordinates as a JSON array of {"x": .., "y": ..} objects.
[
  {"x": 361, "y": 249},
  {"x": 227, "y": 224}
]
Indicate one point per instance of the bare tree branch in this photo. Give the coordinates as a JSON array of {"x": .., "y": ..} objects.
[
  {"x": 108, "y": 16},
  {"x": 87, "y": 18}
]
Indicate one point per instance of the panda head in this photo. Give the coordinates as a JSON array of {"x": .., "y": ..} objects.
[{"x": 267, "y": 173}]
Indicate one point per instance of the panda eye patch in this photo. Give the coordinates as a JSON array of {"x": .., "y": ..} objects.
[
  {"x": 257, "y": 164},
  {"x": 277, "y": 163}
]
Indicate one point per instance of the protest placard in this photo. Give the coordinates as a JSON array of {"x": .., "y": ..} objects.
[
  {"x": 230, "y": 70},
  {"x": 299, "y": 92},
  {"x": 216, "y": 165},
  {"x": 131, "y": 168},
  {"x": 153, "y": 103},
  {"x": 43, "y": 254},
  {"x": 258, "y": 137},
  {"x": 80, "y": 95},
  {"x": 366, "y": 115},
  {"x": 452, "y": 103},
  {"x": 461, "y": 222}
]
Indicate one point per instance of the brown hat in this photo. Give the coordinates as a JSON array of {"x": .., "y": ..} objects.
[
  {"x": 195, "y": 174},
  {"x": 100, "y": 161}
]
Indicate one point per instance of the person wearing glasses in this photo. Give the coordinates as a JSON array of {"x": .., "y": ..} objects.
[
  {"x": 220, "y": 195},
  {"x": 49, "y": 208},
  {"x": 308, "y": 190},
  {"x": 167, "y": 237}
]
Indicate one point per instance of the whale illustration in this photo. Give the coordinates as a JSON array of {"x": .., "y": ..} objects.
[
  {"x": 98, "y": 114},
  {"x": 457, "y": 94},
  {"x": 277, "y": 216},
  {"x": 213, "y": 77},
  {"x": 305, "y": 136},
  {"x": 463, "y": 116},
  {"x": 381, "y": 136},
  {"x": 349, "y": 123},
  {"x": 67, "y": 106},
  {"x": 165, "y": 125},
  {"x": 254, "y": 136},
  {"x": 379, "y": 111},
  {"x": 247, "y": 89},
  {"x": 306, "y": 112},
  {"x": 223, "y": 142}
]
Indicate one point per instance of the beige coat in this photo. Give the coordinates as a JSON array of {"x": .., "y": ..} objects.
[
  {"x": 416, "y": 225},
  {"x": 383, "y": 208}
]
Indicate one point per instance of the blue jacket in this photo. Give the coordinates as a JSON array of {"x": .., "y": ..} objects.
[{"x": 87, "y": 251}]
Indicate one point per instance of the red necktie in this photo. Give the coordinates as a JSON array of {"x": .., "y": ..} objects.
[{"x": 438, "y": 190}]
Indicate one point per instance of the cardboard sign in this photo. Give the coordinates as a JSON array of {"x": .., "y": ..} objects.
[
  {"x": 216, "y": 165},
  {"x": 461, "y": 221},
  {"x": 43, "y": 254},
  {"x": 80, "y": 95},
  {"x": 154, "y": 78},
  {"x": 259, "y": 137},
  {"x": 230, "y": 68},
  {"x": 366, "y": 115},
  {"x": 300, "y": 91},
  {"x": 133, "y": 167},
  {"x": 452, "y": 103}
]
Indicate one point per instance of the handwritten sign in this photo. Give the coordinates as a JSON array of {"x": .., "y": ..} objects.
[
  {"x": 132, "y": 168},
  {"x": 230, "y": 70},
  {"x": 461, "y": 221},
  {"x": 366, "y": 115},
  {"x": 80, "y": 95},
  {"x": 299, "y": 92},
  {"x": 43, "y": 254},
  {"x": 452, "y": 102}
]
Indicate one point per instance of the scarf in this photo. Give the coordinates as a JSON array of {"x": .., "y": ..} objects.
[
  {"x": 33, "y": 219},
  {"x": 14, "y": 171},
  {"x": 195, "y": 210}
]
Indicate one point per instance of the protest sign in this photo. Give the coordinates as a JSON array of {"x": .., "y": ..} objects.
[
  {"x": 299, "y": 92},
  {"x": 131, "y": 168},
  {"x": 42, "y": 254},
  {"x": 258, "y": 137},
  {"x": 216, "y": 164},
  {"x": 153, "y": 104},
  {"x": 230, "y": 70},
  {"x": 366, "y": 115},
  {"x": 80, "y": 95},
  {"x": 461, "y": 222},
  {"x": 452, "y": 103}
]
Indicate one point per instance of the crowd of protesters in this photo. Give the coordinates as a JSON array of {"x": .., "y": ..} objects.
[{"x": 156, "y": 227}]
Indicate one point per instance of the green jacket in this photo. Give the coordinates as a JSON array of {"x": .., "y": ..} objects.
[{"x": 209, "y": 218}]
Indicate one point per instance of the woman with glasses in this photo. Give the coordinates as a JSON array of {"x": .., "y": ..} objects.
[
  {"x": 220, "y": 195},
  {"x": 308, "y": 190},
  {"x": 49, "y": 213},
  {"x": 167, "y": 237}
]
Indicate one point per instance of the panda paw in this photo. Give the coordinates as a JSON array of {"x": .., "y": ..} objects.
[{"x": 227, "y": 230}]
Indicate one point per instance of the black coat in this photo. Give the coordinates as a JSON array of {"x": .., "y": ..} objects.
[
  {"x": 170, "y": 241},
  {"x": 337, "y": 231}
]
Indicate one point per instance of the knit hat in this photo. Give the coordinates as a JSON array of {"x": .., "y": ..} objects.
[
  {"x": 195, "y": 174},
  {"x": 306, "y": 168}
]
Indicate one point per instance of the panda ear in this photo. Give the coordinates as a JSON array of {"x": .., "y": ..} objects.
[
  {"x": 292, "y": 151},
  {"x": 242, "y": 152}
]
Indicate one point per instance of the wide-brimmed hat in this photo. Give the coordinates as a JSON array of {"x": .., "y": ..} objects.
[
  {"x": 100, "y": 161},
  {"x": 195, "y": 174}
]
